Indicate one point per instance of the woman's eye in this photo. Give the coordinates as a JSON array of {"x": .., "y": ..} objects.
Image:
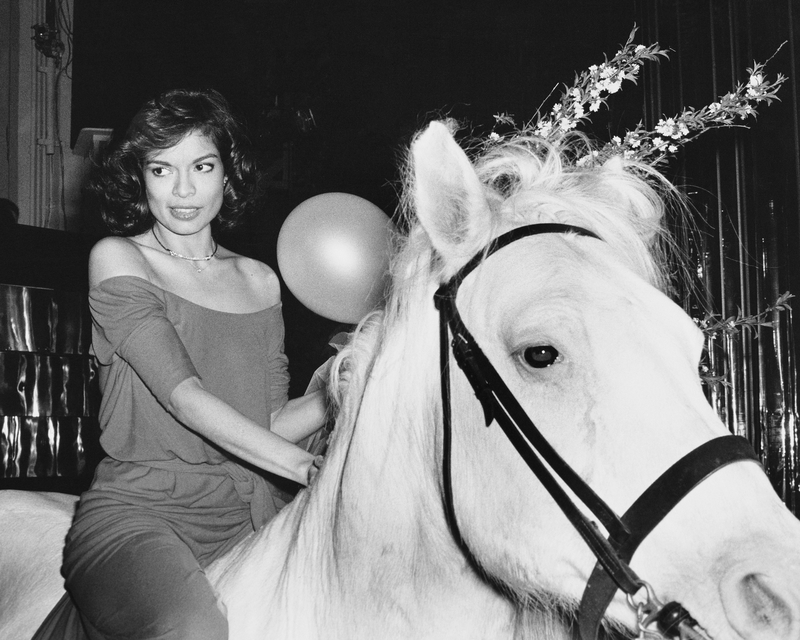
[
  {"x": 204, "y": 167},
  {"x": 159, "y": 171},
  {"x": 540, "y": 356}
]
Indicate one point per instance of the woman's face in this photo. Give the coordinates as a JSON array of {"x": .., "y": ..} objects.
[{"x": 185, "y": 184}]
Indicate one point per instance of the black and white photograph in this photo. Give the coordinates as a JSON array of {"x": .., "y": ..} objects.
[{"x": 399, "y": 320}]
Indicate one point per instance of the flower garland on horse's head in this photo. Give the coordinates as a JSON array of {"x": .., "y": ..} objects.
[{"x": 592, "y": 88}]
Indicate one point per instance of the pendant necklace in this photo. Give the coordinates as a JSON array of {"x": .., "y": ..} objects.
[{"x": 193, "y": 259}]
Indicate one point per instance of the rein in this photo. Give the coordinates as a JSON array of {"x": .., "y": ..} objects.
[{"x": 625, "y": 533}]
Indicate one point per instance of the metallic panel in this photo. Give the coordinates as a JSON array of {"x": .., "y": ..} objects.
[
  {"x": 49, "y": 394},
  {"x": 44, "y": 385},
  {"x": 44, "y": 320},
  {"x": 46, "y": 446}
]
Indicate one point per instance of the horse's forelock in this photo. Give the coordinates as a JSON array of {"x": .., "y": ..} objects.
[{"x": 626, "y": 202}]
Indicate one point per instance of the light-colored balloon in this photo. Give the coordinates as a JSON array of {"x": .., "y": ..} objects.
[{"x": 333, "y": 254}]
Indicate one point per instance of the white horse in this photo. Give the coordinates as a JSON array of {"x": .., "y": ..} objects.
[{"x": 367, "y": 551}]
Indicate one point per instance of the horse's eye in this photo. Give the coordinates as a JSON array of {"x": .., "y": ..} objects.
[{"x": 540, "y": 356}]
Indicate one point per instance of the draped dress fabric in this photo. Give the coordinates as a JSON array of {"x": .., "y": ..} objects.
[{"x": 161, "y": 482}]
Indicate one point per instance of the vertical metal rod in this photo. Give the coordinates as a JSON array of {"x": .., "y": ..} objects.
[
  {"x": 791, "y": 419},
  {"x": 764, "y": 336},
  {"x": 727, "y": 397},
  {"x": 793, "y": 71},
  {"x": 50, "y": 106},
  {"x": 745, "y": 391},
  {"x": 793, "y": 425}
]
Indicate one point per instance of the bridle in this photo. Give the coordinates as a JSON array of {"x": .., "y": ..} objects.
[{"x": 625, "y": 533}]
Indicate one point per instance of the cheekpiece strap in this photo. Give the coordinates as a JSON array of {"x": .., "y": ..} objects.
[{"x": 499, "y": 404}]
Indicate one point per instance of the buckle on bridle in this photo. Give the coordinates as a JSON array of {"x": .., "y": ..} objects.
[{"x": 670, "y": 620}]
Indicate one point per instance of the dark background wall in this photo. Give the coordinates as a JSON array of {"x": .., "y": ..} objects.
[{"x": 371, "y": 71}]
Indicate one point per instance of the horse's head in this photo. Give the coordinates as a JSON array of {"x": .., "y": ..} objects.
[{"x": 607, "y": 367}]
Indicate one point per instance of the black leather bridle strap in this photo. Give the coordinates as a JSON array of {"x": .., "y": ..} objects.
[
  {"x": 507, "y": 238},
  {"x": 650, "y": 509},
  {"x": 534, "y": 449},
  {"x": 499, "y": 403},
  {"x": 475, "y": 366}
]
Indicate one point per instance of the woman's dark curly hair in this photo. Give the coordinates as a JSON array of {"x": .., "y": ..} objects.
[{"x": 118, "y": 184}]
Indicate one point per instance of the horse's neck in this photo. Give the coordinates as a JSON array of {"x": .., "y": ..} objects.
[
  {"x": 367, "y": 553},
  {"x": 395, "y": 564}
]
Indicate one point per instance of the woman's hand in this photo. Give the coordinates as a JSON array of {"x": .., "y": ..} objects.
[
  {"x": 313, "y": 468},
  {"x": 301, "y": 417}
]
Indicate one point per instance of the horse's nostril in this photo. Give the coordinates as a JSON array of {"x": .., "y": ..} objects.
[
  {"x": 756, "y": 611},
  {"x": 767, "y": 609}
]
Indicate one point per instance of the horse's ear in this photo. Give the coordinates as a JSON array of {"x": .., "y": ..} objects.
[{"x": 448, "y": 195}]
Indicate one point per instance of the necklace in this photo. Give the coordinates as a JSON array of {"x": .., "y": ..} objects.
[{"x": 175, "y": 254}]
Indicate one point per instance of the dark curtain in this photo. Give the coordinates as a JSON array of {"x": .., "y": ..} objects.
[{"x": 744, "y": 183}]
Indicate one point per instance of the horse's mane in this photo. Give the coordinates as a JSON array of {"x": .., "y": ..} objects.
[{"x": 626, "y": 202}]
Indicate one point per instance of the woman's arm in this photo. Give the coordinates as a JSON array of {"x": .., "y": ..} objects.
[
  {"x": 300, "y": 417},
  {"x": 207, "y": 415}
]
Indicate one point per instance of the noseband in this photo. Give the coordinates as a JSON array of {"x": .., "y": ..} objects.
[{"x": 625, "y": 533}]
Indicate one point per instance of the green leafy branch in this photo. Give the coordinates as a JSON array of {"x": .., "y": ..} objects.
[{"x": 714, "y": 324}]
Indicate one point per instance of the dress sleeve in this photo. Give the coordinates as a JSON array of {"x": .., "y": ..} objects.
[
  {"x": 278, "y": 364},
  {"x": 129, "y": 321}
]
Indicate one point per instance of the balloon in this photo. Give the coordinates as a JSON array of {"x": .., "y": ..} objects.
[{"x": 333, "y": 254}]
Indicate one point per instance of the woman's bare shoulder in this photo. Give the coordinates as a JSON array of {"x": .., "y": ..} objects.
[
  {"x": 116, "y": 256},
  {"x": 260, "y": 279}
]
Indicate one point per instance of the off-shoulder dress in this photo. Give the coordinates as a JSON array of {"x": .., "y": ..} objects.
[{"x": 166, "y": 502}]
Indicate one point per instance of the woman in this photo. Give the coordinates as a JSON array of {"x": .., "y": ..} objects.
[{"x": 189, "y": 336}]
